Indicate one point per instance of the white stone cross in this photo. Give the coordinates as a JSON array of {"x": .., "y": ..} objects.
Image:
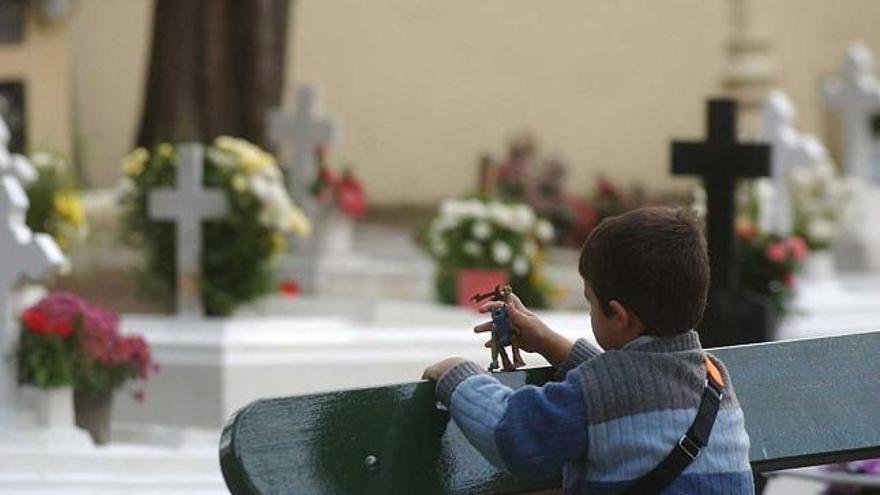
[
  {"x": 790, "y": 149},
  {"x": 24, "y": 255},
  {"x": 303, "y": 130},
  {"x": 187, "y": 204},
  {"x": 855, "y": 95}
]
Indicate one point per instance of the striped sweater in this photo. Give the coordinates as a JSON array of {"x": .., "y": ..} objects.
[{"x": 612, "y": 418}]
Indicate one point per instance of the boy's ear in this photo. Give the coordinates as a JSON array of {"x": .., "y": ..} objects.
[{"x": 619, "y": 313}]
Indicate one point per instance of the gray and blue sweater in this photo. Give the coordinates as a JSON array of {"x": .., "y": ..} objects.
[{"x": 613, "y": 418}]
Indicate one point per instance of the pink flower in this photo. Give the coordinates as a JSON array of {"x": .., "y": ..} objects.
[
  {"x": 789, "y": 280},
  {"x": 776, "y": 252},
  {"x": 797, "y": 247}
]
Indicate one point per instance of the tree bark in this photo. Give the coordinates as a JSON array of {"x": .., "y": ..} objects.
[{"x": 216, "y": 67}]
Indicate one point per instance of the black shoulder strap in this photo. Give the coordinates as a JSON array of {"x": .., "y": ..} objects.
[{"x": 689, "y": 445}]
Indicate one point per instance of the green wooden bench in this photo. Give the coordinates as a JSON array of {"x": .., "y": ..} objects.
[{"x": 806, "y": 403}]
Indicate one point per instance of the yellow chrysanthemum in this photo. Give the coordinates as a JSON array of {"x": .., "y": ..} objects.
[
  {"x": 252, "y": 159},
  {"x": 298, "y": 223},
  {"x": 165, "y": 150},
  {"x": 277, "y": 243},
  {"x": 239, "y": 183},
  {"x": 69, "y": 207},
  {"x": 133, "y": 163}
]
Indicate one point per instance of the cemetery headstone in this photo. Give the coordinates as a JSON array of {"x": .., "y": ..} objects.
[
  {"x": 302, "y": 131},
  {"x": 732, "y": 317},
  {"x": 855, "y": 96},
  {"x": 790, "y": 149},
  {"x": 188, "y": 204},
  {"x": 25, "y": 255}
]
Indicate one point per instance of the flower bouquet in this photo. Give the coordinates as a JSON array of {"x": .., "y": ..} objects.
[
  {"x": 237, "y": 266},
  {"x": 768, "y": 263},
  {"x": 471, "y": 233},
  {"x": 55, "y": 207},
  {"x": 818, "y": 198},
  {"x": 331, "y": 190},
  {"x": 67, "y": 341}
]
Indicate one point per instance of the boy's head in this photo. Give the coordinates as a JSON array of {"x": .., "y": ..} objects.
[{"x": 645, "y": 272}]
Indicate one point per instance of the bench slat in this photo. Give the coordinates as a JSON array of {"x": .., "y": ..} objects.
[{"x": 806, "y": 402}]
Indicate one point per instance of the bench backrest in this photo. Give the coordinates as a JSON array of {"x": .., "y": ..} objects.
[{"x": 806, "y": 402}]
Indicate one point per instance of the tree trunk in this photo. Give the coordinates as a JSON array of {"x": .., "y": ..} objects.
[{"x": 216, "y": 67}]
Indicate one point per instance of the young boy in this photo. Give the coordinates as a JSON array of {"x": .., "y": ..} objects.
[{"x": 616, "y": 415}]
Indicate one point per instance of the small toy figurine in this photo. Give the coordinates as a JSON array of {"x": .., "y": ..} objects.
[{"x": 503, "y": 333}]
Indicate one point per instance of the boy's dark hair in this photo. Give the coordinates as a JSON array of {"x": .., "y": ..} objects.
[{"x": 653, "y": 261}]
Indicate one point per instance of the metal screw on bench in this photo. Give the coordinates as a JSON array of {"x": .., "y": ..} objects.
[{"x": 372, "y": 463}]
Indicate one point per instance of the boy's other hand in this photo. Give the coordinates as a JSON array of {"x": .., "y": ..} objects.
[
  {"x": 532, "y": 331},
  {"x": 436, "y": 370}
]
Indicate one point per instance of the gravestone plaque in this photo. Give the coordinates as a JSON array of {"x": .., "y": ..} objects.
[
  {"x": 733, "y": 316},
  {"x": 11, "y": 21},
  {"x": 12, "y": 111}
]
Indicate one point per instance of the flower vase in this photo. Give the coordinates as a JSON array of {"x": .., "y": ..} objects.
[
  {"x": 93, "y": 414},
  {"x": 52, "y": 407},
  {"x": 334, "y": 233},
  {"x": 470, "y": 281}
]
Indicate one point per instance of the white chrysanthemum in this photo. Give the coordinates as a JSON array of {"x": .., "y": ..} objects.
[
  {"x": 544, "y": 230},
  {"x": 472, "y": 248},
  {"x": 501, "y": 214},
  {"x": 520, "y": 266},
  {"x": 481, "y": 230},
  {"x": 501, "y": 252},
  {"x": 821, "y": 230},
  {"x": 451, "y": 209},
  {"x": 522, "y": 218}
]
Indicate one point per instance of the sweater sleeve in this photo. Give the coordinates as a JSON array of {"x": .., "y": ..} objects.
[
  {"x": 531, "y": 432},
  {"x": 581, "y": 352}
]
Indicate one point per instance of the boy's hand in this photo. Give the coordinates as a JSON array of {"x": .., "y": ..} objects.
[
  {"x": 436, "y": 370},
  {"x": 534, "y": 334}
]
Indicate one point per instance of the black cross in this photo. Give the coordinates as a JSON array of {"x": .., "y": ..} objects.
[{"x": 720, "y": 160}]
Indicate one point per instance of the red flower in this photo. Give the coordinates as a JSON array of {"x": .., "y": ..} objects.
[
  {"x": 789, "y": 280},
  {"x": 140, "y": 395},
  {"x": 289, "y": 288},
  {"x": 35, "y": 321},
  {"x": 776, "y": 252},
  {"x": 350, "y": 196},
  {"x": 746, "y": 231},
  {"x": 61, "y": 327},
  {"x": 797, "y": 247}
]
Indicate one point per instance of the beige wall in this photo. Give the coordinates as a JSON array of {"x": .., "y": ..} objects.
[
  {"x": 423, "y": 86},
  {"x": 112, "y": 44},
  {"x": 43, "y": 62}
]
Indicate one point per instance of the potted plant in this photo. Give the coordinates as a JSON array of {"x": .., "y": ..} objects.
[
  {"x": 68, "y": 342},
  {"x": 478, "y": 244},
  {"x": 45, "y": 355},
  {"x": 768, "y": 263}
]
